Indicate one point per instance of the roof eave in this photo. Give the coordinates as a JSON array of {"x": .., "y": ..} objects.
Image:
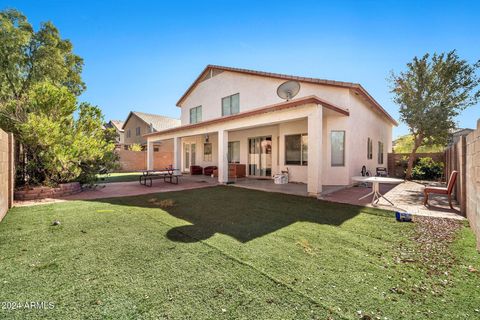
[
  {"x": 365, "y": 93},
  {"x": 270, "y": 108}
]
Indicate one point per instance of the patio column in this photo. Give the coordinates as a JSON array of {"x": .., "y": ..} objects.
[
  {"x": 149, "y": 155},
  {"x": 177, "y": 153},
  {"x": 222, "y": 156},
  {"x": 315, "y": 163}
]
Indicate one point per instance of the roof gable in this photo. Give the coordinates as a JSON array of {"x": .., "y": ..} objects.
[
  {"x": 212, "y": 70},
  {"x": 117, "y": 124},
  {"x": 158, "y": 122}
]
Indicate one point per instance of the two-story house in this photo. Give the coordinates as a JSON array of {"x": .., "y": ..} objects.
[
  {"x": 323, "y": 136},
  {"x": 117, "y": 125},
  {"x": 138, "y": 124}
]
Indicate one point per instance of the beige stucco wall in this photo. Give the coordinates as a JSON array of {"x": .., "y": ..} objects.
[
  {"x": 255, "y": 92},
  {"x": 284, "y": 126},
  {"x": 199, "y": 141},
  {"x": 362, "y": 124},
  {"x": 6, "y": 172}
]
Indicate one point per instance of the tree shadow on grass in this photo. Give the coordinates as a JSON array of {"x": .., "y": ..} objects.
[{"x": 241, "y": 213}]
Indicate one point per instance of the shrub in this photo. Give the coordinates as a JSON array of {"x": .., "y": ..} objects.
[
  {"x": 57, "y": 146},
  {"x": 427, "y": 169},
  {"x": 135, "y": 147}
]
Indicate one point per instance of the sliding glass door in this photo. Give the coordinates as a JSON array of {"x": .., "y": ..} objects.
[{"x": 260, "y": 156}]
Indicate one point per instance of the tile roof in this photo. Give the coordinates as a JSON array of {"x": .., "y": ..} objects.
[
  {"x": 350, "y": 85},
  {"x": 118, "y": 124},
  {"x": 157, "y": 121}
]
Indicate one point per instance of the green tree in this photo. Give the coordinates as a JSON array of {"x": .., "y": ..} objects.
[
  {"x": 404, "y": 144},
  {"x": 28, "y": 58},
  {"x": 58, "y": 147},
  {"x": 431, "y": 93},
  {"x": 40, "y": 79}
]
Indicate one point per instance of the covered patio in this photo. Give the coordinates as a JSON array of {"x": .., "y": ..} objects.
[{"x": 256, "y": 140}]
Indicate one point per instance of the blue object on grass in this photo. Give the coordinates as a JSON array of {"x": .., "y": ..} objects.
[{"x": 403, "y": 216}]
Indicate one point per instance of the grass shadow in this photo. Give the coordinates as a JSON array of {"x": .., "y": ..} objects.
[{"x": 241, "y": 213}]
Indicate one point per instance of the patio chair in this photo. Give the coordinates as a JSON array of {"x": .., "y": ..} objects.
[
  {"x": 442, "y": 190},
  {"x": 208, "y": 171},
  {"x": 196, "y": 170},
  {"x": 382, "y": 172},
  {"x": 364, "y": 173}
]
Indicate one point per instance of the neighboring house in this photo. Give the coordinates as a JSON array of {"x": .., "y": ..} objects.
[
  {"x": 139, "y": 124},
  {"x": 323, "y": 136},
  {"x": 456, "y": 134},
  {"x": 117, "y": 124}
]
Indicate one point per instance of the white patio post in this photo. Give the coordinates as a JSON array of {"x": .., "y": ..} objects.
[
  {"x": 149, "y": 155},
  {"x": 222, "y": 156},
  {"x": 315, "y": 163},
  {"x": 177, "y": 153}
]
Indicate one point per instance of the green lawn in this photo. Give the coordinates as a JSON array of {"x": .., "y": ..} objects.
[
  {"x": 232, "y": 253},
  {"x": 119, "y": 177}
]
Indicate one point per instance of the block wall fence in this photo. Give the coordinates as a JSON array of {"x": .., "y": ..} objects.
[
  {"x": 464, "y": 157},
  {"x": 6, "y": 172}
]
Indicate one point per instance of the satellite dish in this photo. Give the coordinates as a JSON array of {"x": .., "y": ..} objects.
[{"x": 288, "y": 89}]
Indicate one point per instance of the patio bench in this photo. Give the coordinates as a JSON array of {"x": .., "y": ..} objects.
[{"x": 168, "y": 175}]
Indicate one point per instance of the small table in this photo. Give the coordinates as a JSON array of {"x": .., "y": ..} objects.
[{"x": 376, "y": 186}]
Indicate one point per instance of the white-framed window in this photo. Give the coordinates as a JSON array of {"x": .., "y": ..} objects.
[
  {"x": 137, "y": 131},
  {"x": 234, "y": 152},
  {"x": 296, "y": 149},
  {"x": 196, "y": 114},
  {"x": 231, "y": 105},
  {"x": 380, "y": 152},
  {"x": 207, "y": 151},
  {"x": 369, "y": 149},
  {"x": 337, "y": 141}
]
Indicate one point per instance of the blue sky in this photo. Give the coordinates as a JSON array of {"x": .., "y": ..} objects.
[{"x": 142, "y": 55}]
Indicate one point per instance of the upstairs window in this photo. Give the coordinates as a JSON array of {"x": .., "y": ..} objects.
[
  {"x": 129, "y": 133},
  {"x": 137, "y": 131},
  {"x": 369, "y": 149},
  {"x": 196, "y": 114},
  {"x": 380, "y": 152},
  {"x": 231, "y": 105}
]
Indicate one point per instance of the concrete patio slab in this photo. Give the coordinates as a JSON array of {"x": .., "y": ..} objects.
[
  {"x": 406, "y": 197},
  {"x": 298, "y": 189},
  {"x": 133, "y": 188}
]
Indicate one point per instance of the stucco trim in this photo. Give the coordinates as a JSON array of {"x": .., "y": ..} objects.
[
  {"x": 271, "y": 108},
  {"x": 350, "y": 85}
]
